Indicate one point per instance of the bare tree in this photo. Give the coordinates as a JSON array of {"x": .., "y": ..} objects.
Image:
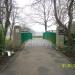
[
  {"x": 2, "y": 11},
  {"x": 14, "y": 15},
  {"x": 8, "y": 7},
  {"x": 67, "y": 10},
  {"x": 42, "y": 12}
]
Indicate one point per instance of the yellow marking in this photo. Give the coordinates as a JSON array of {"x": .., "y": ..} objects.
[{"x": 68, "y": 65}]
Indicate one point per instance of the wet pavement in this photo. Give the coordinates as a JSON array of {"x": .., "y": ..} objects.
[{"x": 38, "y": 58}]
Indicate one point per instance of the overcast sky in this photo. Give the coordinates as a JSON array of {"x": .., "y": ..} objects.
[{"x": 36, "y": 27}]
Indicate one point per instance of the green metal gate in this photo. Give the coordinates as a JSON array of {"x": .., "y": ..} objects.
[
  {"x": 25, "y": 36},
  {"x": 51, "y": 36}
]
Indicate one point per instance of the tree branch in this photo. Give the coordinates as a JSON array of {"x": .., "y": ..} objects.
[{"x": 57, "y": 19}]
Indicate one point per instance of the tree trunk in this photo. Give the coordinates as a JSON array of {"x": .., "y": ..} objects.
[
  {"x": 10, "y": 34},
  {"x": 7, "y": 23},
  {"x": 70, "y": 39},
  {"x": 45, "y": 26}
]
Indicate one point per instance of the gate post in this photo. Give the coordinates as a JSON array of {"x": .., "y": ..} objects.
[
  {"x": 60, "y": 37},
  {"x": 17, "y": 36}
]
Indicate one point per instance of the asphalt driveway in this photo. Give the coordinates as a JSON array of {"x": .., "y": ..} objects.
[{"x": 38, "y": 58}]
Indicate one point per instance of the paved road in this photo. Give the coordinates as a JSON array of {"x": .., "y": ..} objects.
[
  {"x": 38, "y": 43},
  {"x": 38, "y": 58}
]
